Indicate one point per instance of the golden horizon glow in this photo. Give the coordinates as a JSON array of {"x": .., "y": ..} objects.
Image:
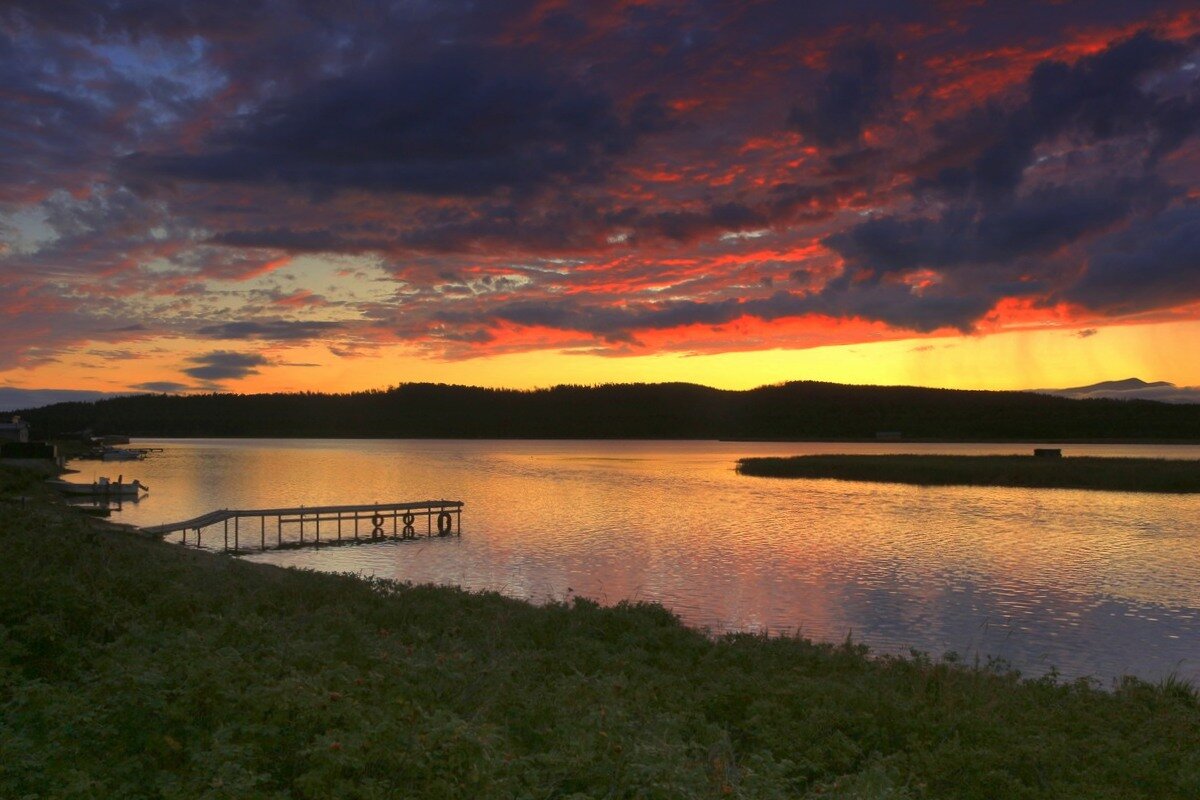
[{"x": 1016, "y": 359}]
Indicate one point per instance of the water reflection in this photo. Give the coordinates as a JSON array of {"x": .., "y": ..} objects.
[{"x": 1090, "y": 582}]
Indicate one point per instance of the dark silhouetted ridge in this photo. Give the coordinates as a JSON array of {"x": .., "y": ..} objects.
[{"x": 799, "y": 410}]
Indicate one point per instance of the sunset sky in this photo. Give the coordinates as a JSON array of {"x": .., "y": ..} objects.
[{"x": 325, "y": 195}]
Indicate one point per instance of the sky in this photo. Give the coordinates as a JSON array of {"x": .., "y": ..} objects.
[{"x": 310, "y": 195}]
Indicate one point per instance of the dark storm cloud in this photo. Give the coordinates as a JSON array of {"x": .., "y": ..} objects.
[
  {"x": 276, "y": 330},
  {"x": 850, "y": 96},
  {"x": 132, "y": 17},
  {"x": 613, "y": 324},
  {"x": 893, "y": 304},
  {"x": 573, "y": 224},
  {"x": 1151, "y": 264},
  {"x": 899, "y": 306},
  {"x": 980, "y": 253},
  {"x": 296, "y": 241},
  {"x": 49, "y": 135},
  {"x": 1041, "y": 222},
  {"x": 464, "y": 123},
  {"x": 988, "y": 221},
  {"x": 565, "y": 226},
  {"x": 1098, "y": 98},
  {"x": 222, "y": 365},
  {"x": 688, "y": 225}
]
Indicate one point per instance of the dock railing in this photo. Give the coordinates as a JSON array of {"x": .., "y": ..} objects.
[{"x": 302, "y": 526}]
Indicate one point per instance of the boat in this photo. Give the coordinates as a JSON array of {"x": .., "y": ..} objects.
[
  {"x": 101, "y": 486},
  {"x": 121, "y": 454}
]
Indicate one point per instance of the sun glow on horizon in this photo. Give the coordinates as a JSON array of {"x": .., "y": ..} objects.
[{"x": 1021, "y": 359}]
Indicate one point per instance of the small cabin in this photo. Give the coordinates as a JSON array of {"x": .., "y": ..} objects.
[
  {"x": 15, "y": 431},
  {"x": 1047, "y": 452}
]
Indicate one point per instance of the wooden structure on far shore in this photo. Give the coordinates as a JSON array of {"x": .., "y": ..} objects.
[{"x": 357, "y": 524}]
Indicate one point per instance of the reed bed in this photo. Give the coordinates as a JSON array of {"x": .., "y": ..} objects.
[{"x": 1078, "y": 472}]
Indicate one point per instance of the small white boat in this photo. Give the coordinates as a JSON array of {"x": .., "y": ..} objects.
[{"x": 102, "y": 486}]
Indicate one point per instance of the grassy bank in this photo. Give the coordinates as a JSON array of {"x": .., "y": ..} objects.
[
  {"x": 132, "y": 668},
  {"x": 1078, "y": 472}
]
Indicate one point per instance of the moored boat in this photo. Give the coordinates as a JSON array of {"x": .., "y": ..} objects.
[
  {"x": 121, "y": 454},
  {"x": 101, "y": 486}
]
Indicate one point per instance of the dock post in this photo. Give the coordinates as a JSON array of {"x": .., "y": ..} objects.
[
  {"x": 302, "y": 526},
  {"x": 429, "y": 523},
  {"x": 458, "y": 521},
  {"x": 236, "y": 540},
  {"x": 227, "y": 534},
  {"x": 263, "y": 532},
  {"x": 279, "y": 531},
  {"x": 318, "y": 527},
  {"x": 339, "y": 526}
]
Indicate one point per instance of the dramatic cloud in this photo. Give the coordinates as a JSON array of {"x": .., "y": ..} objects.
[
  {"x": 1151, "y": 264},
  {"x": 463, "y": 179},
  {"x": 849, "y": 96},
  {"x": 222, "y": 365},
  {"x": 464, "y": 122},
  {"x": 162, "y": 387},
  {"x": 277, "y": 330},
  {"x": 1099, "y": 98}
]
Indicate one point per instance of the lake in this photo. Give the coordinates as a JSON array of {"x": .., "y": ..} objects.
[{"x": 1091, "y": 583}]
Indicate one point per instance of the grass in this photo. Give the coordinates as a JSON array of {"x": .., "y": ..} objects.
[
  {"x": 132, "y": 668},
  {"x": 1078, "y": 472}
]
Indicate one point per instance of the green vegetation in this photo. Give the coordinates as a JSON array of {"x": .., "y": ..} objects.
[
  {"x": 132, "y": 668},
  {"x": 800, "y": 410},
  {"x": 1079, "y": 472}
]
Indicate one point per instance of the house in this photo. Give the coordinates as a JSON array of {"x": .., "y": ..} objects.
[{"x": 15, "y": 431}]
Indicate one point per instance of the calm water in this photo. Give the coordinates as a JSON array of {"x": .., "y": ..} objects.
[{"x": 1093, "y": 583}]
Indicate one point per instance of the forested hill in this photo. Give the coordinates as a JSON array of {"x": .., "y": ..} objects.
[{"x": 800, "y": 410}]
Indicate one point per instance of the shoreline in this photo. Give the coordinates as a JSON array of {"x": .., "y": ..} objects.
[
  {"x": 135, "y": 663},
  {"x": 1092, "y": 473},
  {"x": 809, "y": 440}
]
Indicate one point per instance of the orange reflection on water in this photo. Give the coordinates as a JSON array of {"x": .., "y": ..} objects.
[{"x": 1090, "y": 582}]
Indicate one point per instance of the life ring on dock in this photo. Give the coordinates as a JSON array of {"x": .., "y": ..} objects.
[
  {"x": 445, "y": 523},
  {"x": 377, "y": 522},
  {"x": 408, "y": 519}
]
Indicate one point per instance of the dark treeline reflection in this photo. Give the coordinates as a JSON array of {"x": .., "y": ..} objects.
[{"x": 798, "y": 410}]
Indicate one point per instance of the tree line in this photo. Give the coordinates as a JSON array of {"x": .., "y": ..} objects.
[{"x": 798, "y": 410}]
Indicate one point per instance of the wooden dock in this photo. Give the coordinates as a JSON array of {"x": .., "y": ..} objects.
[{"x": 285, "y": 528}]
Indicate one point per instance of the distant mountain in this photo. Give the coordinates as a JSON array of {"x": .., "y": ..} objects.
[
  {"x": 1130, "y": 389},
  {"x": 12, "y": 398},
  {"x": 795, "y": 411}
]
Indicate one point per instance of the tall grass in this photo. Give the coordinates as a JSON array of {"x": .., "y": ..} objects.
[{"x": 135, "y": 669}]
